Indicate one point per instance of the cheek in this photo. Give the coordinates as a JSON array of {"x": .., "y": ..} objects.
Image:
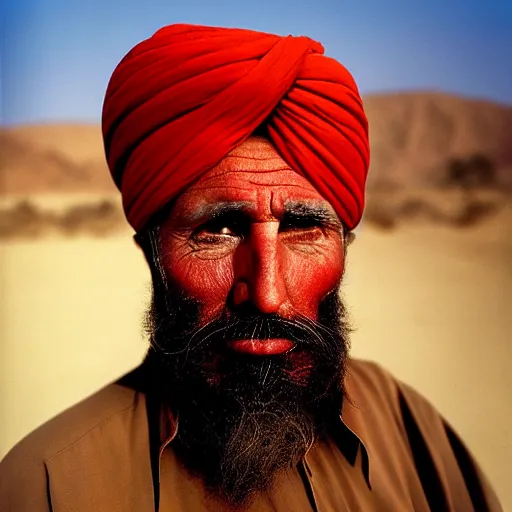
[
  {"x": 206, "y": 281},
  {"x": 310, "y": 277}
]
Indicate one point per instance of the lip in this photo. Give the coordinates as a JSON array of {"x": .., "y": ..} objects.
[{"x": 267, "y": 347}]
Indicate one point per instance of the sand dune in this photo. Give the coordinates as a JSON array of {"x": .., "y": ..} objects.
[{"x": 52, "y": 158}]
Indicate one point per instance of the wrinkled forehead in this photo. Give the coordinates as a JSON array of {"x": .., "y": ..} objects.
[
  {"x": 253, "y": 172},
  {"x": 256, "y": 164},
  {"x": 256, "y": 155}
]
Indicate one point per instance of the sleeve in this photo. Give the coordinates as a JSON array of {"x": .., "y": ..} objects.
[
  {"x": 23, "y": 483},
  {"x": 450, "y": 476}
]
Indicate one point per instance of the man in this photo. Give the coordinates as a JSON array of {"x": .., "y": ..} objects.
[{"x": 242, "y": 159}]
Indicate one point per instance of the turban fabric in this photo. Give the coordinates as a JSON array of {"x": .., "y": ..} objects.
[{"x": 181, "y": 100}]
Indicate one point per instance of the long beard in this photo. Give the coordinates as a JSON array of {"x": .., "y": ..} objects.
[{"x": 244, "y": 419}]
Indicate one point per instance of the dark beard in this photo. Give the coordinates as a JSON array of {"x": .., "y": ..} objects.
[{"x": 241, "y": 419}]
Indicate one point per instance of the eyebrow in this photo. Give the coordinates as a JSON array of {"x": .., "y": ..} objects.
[
  {"x": 293, "y": 210},
  {"x": 320, "y": 213},
  {"x": 215, "y": 210}
]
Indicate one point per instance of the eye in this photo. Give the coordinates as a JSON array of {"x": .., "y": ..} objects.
[
  {"x": 298, "y": 223},
  {"x": 218, "y": 232},
  {"x": 303, "y": 236},
  {"x": 299, "y": 229},
  {"x": 208, "y": 236},
  {"x": 225, "y": 230}
]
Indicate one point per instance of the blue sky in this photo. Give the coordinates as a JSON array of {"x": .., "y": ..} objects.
[{"x": 56, "y": 56}]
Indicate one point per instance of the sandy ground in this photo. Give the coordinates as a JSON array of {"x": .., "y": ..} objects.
[{"x": 433, "y": 305}]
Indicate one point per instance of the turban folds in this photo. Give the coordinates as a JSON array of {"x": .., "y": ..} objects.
[{"x": 181, "y": 100}]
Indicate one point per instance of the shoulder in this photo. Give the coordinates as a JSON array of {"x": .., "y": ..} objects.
[
  {"x": 390, "y": 415},
  {"x": 377, "y": 397},
  {"x": 74, "y": 423},
  {"x": 369, "y": 381},
  {"x": 26, "y": 464},
  {"x": 362, "y": 373}
]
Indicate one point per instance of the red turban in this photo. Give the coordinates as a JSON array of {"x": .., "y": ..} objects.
[{"x": 181, "y": 100}]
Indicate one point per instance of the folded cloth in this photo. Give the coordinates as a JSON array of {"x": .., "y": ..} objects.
[{"x": 181, "y": 100}]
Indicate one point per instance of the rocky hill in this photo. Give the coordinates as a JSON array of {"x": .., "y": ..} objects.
[
  {"x": 414, "y": 137},
  {"x": 435, "y": 157}
]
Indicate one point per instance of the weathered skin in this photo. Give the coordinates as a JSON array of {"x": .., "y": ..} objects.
[{"x": 280, "y": 266}]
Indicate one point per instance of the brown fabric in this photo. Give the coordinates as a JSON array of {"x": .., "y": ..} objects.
[{"x": 392, "y": 452}]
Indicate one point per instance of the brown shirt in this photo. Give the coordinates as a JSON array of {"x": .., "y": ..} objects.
[{"x": 392, "y": 452}]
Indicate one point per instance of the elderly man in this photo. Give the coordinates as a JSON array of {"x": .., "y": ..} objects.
[{"x": 242, "y": 158}]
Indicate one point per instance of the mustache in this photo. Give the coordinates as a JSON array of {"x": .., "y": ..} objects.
[{"x": 301, "y": 330}]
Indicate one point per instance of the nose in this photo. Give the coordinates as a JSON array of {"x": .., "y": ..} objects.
[{"x": 259, "y": 269}]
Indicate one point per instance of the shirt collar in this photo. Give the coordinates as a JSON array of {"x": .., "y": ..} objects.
[{"x": 351, "y": 439}]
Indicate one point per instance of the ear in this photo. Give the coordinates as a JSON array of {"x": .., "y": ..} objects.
[{"x": 350, "y": 237}]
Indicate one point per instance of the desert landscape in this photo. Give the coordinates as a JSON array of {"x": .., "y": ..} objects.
[
  {"x": 434, "y": 157},
  {"x": 429, "y": 279}
]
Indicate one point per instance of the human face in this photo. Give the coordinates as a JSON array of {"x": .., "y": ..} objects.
[{"x": 252, "y": 232}]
